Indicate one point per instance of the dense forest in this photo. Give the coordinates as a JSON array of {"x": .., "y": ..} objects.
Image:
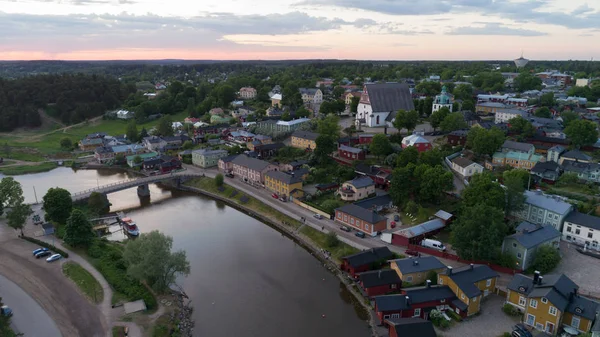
[{"x": 71, "y": 98}]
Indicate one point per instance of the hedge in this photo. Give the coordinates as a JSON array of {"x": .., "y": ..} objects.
[{"x": 46, "y": 245}]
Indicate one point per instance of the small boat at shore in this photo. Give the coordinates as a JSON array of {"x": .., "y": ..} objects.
[{"x": 129, "y": 226}]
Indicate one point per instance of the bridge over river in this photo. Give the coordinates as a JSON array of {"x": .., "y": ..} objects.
[{"x": 140, "y": 183}]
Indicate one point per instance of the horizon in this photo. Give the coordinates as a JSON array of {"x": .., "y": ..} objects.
[
  {"x": 234, "y": 30},
  {"x": 294, "y": 60}
]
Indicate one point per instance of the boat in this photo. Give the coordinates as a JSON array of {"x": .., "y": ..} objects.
[{"x": 130, "y": 227}]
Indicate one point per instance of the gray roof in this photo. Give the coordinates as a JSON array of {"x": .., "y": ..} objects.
[
  {"x": 461, "y": 133},
  {"x": 585, "y": 220},
  {"x": 207, "y": 152},
  {"x": 377, "y": 278},
  {"x": 462, "y": 161},
  {"x": 390, "y": 97},
  {"x": 539, "y": 235},
  {"x": 382, "y": 200},
  {"x": 308, "y": 91},
  {"x": 362, "y": 213},
  {"x": 251, "y": 163},
  {"x": 368, "y": 256},
  {"x": 579, "y": 167},
  {"x": 425, "y": 227},
  {"x": 557, "y": 148},
  {"x": 305, "y": 135},
  {"x": 516, "y": 146},
  {"x": 350, "y": 149},
  {"x": 543, "y": 166},
  {"x": 418, "y": 264},
  {"x": 413, "y": 327},
  {"x": 361, "y": 182},
  {"x": 466, "y": 277},
  {"x": 577, "y": 155},
  {"x": 549, "y": 202},
  {"x": 443, "y": 215},
  {"x": 92, "y": 141},
  {"x": 284, "y": 177},
  {"x": 416, "y": 295}
]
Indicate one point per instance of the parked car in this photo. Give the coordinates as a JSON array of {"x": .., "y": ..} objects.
[
  {"x": 39, "y": 250},
  {"x": 412, "y": 252},
  {"x": 275, "y": 196},
  {"x": 318, "y": 216},
  {"x": 360, "y": 235},
  {"x": 282, "y": 199},
  {"x": 345, "y": 229},
  {"x": 6, "y": 311},
  {"x": 520, "y": 330},
  {"x": 54, "y": 258},
  {"x": 43, "y": 254},
  {"x": 396, "y": 218},
  {"x": 229, "y": 175}
]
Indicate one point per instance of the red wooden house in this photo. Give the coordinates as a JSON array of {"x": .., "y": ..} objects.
[
  {"x": 365, "y": 138},
  {"x": 351, "y": 153},
  {"x": 379, "y": 282},
  {"x": 458, "y": 137},
  {"x": 414, "y": 302},
  {"x": 410, "y": 327},
  {"x": 366, "y": 260},
  {"x": 169, "y": 164},
  {"x": 382, "y": 177}
]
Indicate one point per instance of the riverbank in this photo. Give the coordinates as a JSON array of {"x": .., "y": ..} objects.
[
  {"x": 310, "y": 239},
  {"x": 28, "y": 169}
]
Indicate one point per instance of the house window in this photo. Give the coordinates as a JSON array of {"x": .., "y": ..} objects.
[
  {"x": 533, "y": 303},
  {"x": 518, "y": 255},
  {"x": 550, "y": 328},
  {"x": 514, "y": 245},
  {"x": 544, "y": 300},
  {"x": 488, "y": 283},
  {"x": 590, "y": 235},
  {"x": 530, "y": 320},
  {"x": 575, "y": 322},
  {"x": 577, "y": 231},
  {"x": 352, "y": 221},
  {"x": 555, "y": 217},
  {"x": 417, "y": 312},
  {"x": 395, "y": 315},
  {"x": 462, "y": 296},
  {"x": 569, "y": 229},
  {"x": 441, "y": 281},
  {"x": 552, "y": 311},
  {"x": 386, "y": 316},
  {"x": 522, "y": 301},
  {"x": 474, "y": 299},
  {"x": 409, "y": 278},
  {"x": 442, "y": 301},
  {"x": 539, "y": 326},
  {"x": 366, "y": 227},
  {"x": 393, "y": 286}
]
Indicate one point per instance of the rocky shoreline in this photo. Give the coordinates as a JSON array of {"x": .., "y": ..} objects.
[{"x": 182, "y": 316}]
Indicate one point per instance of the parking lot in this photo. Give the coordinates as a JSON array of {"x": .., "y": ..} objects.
[
  {"x": 492, "y": 321},
  {"x": 578, "y": 268}
]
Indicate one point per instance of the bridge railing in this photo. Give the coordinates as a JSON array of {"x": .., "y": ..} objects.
[
  {"x": 136, "y": 181},
  {"x": 122, "y": 182}
]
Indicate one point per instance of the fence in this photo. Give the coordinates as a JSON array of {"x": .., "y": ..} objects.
[
  {"x": 312, "y": 209},
  {"x": 446, "y": 255}
]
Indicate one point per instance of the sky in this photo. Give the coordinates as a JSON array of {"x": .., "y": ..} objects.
[{"x": 299, "y": 29}]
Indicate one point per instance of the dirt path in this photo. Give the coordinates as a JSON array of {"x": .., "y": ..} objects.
[{"x": 31, "y": 136}]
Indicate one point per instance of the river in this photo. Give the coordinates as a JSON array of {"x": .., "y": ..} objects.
[{"x": 246, "y": 279}]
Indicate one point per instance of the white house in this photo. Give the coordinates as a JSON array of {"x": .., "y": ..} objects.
[
  {"x": 380, "y": 102},
  {"x": 465, "y": 167},
  {"x": 177, "y": 125},
  {"x": 582, "y": 229},
  {"x": 442, "y": 100},
  {"x": 124, "y": 114},
  {"x": 505, "y": 115},
  {"x": 311, "y": 95}
]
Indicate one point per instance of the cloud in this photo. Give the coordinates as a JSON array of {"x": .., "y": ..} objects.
[{"x": 494, "y": 29}]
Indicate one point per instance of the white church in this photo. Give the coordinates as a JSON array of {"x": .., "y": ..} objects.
[{"x": 380, "y": 102}]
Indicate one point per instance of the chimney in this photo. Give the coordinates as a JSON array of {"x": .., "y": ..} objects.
[
  {"x": 449, "y": 270},
  {"x": 540, "y": 279},
  {"x": 407, "y": 300},
  {"x": 415, "y": 263},
  {"x": 471, "y": 265},
  {"x": 428, "y": 283},
  {"x": 536, "y": 276}
]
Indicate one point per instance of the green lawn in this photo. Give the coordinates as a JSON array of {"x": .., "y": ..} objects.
[
  {"x": 85, "y": 281},
  {"x": 18, "y": 154},
  {"x": 26, "y": 169},
  {"x": 7, "y": 162},
  {"x": 319, "y": 238}
]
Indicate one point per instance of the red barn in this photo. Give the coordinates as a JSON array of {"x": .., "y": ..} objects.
[
  {"x": 414, "y": 302},
  {"x": 380, "y": 282},
  {"x": 365, "y": 260},
  {"x": 417, "y": 141},
  {"x": 351, "y": 153},
  {"x": 410, "y": 327}
]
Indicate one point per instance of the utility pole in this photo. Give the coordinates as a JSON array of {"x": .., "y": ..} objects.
[{"x": 35, "y": 194}]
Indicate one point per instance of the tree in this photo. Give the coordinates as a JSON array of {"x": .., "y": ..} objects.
[
  {"x": 521, "y": 127},
  {"x": 11, "y": 193},
  {"x": 17, "y": 216},
  {"x": 7, "y": 150},
  {"x": 485, "y": 142},
  {"x": 402, "y": 184},
  {"x": 526, "y": 81},
  {"x": 521, "y": 176},
  {"x": 514, "y": 192},
  {"x": 478, "y": 233},
  {"x": 454, "y": 121},
  {"x": 568, "y": 117},
  {"x": 546, "y": 259},
  {"x": 66, "y": 143},
  {"x": 429, "y": 88},
  {"x": 354, "y": 104},
  {"x": 568, "y": 178},
  {"x": 58, "y": 205},
  {"x": 78, "y": 231},
  {"x": 143, "y": 134},
  {"x": 98, "y": 203},
  {"x": 286, "y": 116},
  {"x": 380, "y": 146},
  {"x": 150, "y": 259},
  {"x": 543, "y": 112},
  {"x": 432, "y": 157},
  {"x": 302, "y": 112},
  {"x": 329, "y": 206},
  {"x": 219, "y": 180},
  {"x": 165, "y": 126},
  {"x": 463, "y": 92},
  {"x": 325, "y": 146},
  {"x": 407, "y": 156},
  {"x": 547, "y": 100},
  {"x": 329, "y": 126},
  {"x": 581, "y": 133},
  {"x": 331, "y": 240},
  {"x": 187, "y": 145},
  {"x": 484, "y": 190},
  {"x": 426, "y": 106},
  {"x": 191, "y": 107},
  {"x": 438, "y": 116},
  {"x": 433, "y": 182},
  {"x": 132, "y": 131},
  {"x": 406, "y": 120},
  {"x": 5, "y": 325}
]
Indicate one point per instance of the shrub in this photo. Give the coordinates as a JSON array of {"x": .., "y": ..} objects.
[
  {"x": 454, "y": 315},
  {"x": 331, "y": 240},
  {"x": 510, "y": 310},
  {"x": 46, "y": 245},
  {"x": 432, "y": 276},
  {"x": 546, "y": 259},
  {"x": 219, "y": 180}
]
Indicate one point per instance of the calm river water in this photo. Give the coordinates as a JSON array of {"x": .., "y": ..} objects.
[{"x": 246, "y": 279}]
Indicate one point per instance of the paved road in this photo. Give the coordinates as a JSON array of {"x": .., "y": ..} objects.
[{"x": 29, "y": 317}]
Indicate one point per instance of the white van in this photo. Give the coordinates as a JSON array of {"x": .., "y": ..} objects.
[{"x": 433, "y": 244}]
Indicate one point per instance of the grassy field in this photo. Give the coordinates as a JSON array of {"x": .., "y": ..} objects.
[
  {"x": 17, "y": 154},
  {"x": 26, "y": 169},
  {"x": 319, "y": 238},
  {"x": 85, "y": 281},
  {"x": 49, "y": 143},
  {"x": 7, "y": 162}
]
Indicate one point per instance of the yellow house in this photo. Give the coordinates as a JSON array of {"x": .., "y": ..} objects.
[
  {"x": 416, "y": 270},
  {"x": 304, "y": 139},
  {"x": 282, "y": 183},
  {"x": 550, "y": 301},
  {"x": 470, "y": 284}
]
